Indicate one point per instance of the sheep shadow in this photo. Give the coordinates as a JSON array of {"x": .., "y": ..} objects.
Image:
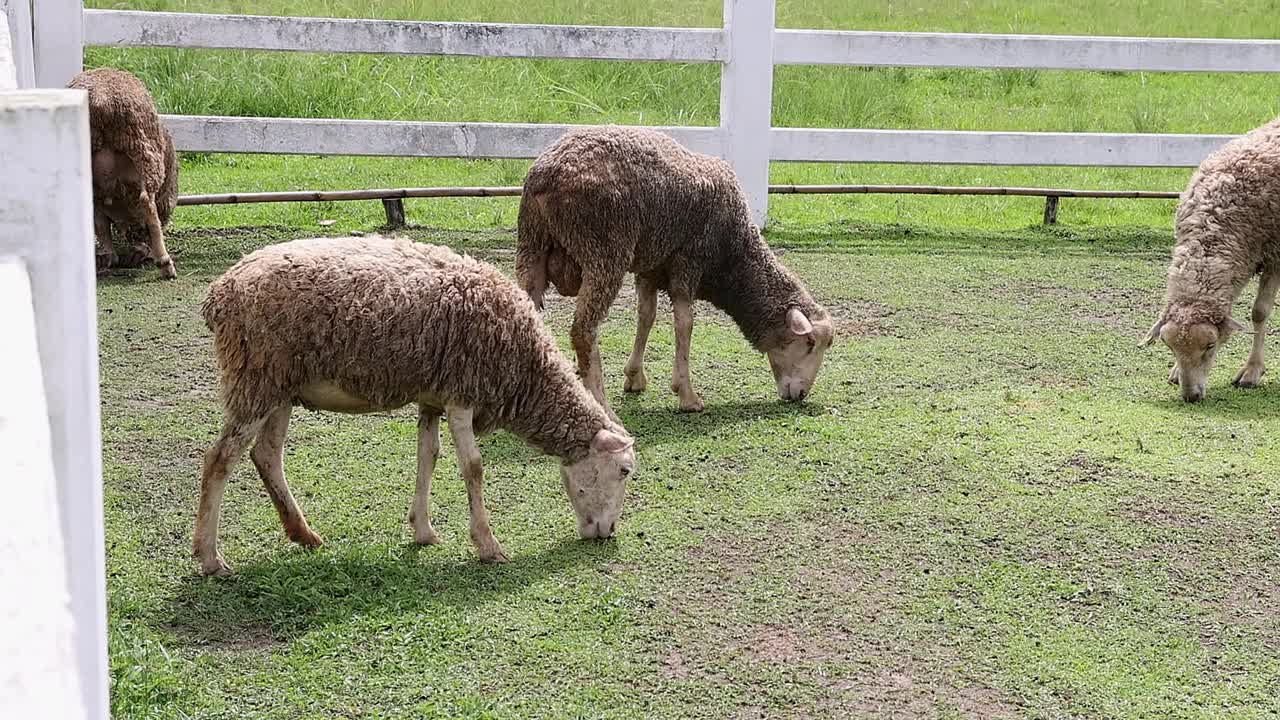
[
  {"x": 661, "y": 425},
  {"x": 271, "y": 601},
  {"x": 1223, "y": 400}
]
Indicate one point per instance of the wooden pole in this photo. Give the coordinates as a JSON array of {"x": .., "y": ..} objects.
[
  {"x": 514, "y": 191},
  {"x": 1051, "y": 210},
  {"x": 395, "y": 212}
]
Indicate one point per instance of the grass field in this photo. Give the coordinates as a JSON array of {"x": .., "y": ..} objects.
[{"x": 992, "y": 506}]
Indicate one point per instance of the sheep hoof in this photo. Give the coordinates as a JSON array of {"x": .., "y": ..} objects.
[
  {"x": 426, "y": 537},
  {"x": 1248, "y": 378},
  {"x": 692, "y": 405},
  {"x": 306, "y": 537},
  {"x": 636, "y": 381},
  {"x": 168, "y": 270},
  {"x": 216, "y": 567},
  {"x": 493, "y": 553}
]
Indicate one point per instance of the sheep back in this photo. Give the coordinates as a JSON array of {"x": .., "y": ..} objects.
[{"x": 392, "y": 320}]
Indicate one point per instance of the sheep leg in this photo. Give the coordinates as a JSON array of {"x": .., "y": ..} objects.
[
  {"x": 1250, "y": 375},
  {"x": 218, "y": 461},
  {"x": 268, "y": 458},
  {"x": 155, "y": 233},
  {"x": 464, "y": 443},
  {"x": 682, "y": 311},
  {"x": 102, "y": 233},
  {"x": 646, "y": 313},
  {"x": 428, "y": 453},
  {"x": 597, "y": 294}
]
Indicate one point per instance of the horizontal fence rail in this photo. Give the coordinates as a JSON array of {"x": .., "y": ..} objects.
[
  {"x": 129, "y": 28},
  {"x": 950, "y": 147},
  {"x": 197, "y": 133},
  {"x": 1046, "y": 52},
  {"x": 299, "y": 136}
]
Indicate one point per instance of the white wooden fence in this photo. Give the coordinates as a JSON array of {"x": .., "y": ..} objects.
[
  {"x": 53, "y": 638},
  {"x": 746, "y": 47}
]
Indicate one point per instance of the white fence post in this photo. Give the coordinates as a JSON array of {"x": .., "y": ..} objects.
[
  {"x": 17, "y": 33},
  {"x": 58, "y": 34},
  {"x": 46, "y": 222},
  {"x": 746, "y": 97}
]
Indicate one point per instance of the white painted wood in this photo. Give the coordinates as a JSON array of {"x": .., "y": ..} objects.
[
  {"x": 390, "y": 138},
  {"x": 8, "y": 66},
  {"x": 36, "y": 647},
  {"x": 1068, "y": 52},
  {"x": 58, "y": 41},
  {"x": 260, "y": 32},
  {"x": 18, "y": 16},
  {"x": 46, "y": 220},
  {"x": 993, "y": 148},
  {"x": 746, "y": 97}
]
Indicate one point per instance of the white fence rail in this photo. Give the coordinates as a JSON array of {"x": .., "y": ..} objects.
[
  {"x": 747, "y": 47},
  {"x": 53, "y": 633}
]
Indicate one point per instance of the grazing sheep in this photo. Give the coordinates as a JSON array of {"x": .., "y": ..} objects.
[
  {"x": 135, "y": 167},
  {"x": 605, "y": 201},
  {"x": 1227, "y": 230},
  {"x": 359, "y": 325}
]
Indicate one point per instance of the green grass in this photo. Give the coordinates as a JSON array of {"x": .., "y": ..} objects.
[
  {"x": 508, "y": 90},
  {"x": 993, "y": 505}
]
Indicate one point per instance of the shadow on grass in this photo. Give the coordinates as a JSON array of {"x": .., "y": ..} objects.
[
  {"x": 661, "y": 425},
  {"x": 290, "y": 593},
  {"x": 1222, "y": 400}
]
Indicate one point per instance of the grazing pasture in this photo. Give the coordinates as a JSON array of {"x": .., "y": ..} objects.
[{"x": 992, "y": 505}]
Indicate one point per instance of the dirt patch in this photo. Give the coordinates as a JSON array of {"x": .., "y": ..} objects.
[
  {"x": 861, "y": 318},
  {"x": 822, "y": 604},
  {"x": 1168, "y": 513},
  {"x": 1118, "y": 308}
]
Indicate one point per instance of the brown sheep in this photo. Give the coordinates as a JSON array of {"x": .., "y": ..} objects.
[
  {"x": 135, "y": 167},
  {"x": 358, "y": 325},
  {"x": 605, "y": 201},
  {"x": 1227, "y": 230}
]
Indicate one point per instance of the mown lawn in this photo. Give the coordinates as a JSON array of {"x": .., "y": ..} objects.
[{"x": 993, "y": 506}]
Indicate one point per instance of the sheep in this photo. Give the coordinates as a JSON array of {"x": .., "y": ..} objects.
[
  {"x": 604, "y": 201},
  {"x": 357, "y": 325},
  {"x": 135, "y": 167},
  {"x": 1227, "y": 229}
]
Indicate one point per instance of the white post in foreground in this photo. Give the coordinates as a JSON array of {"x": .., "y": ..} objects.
[
  {"x": 17, "y": 36},
  {"x": 746, "y": 97},
  {"x": 59, "y": 41},
  {"x": 46, "y": 228}
]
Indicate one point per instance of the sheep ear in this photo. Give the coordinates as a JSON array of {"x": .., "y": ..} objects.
[
  {"x": 1153, "y": 335},
  {"x": 1234, "y": 325},
  {"x": 609, "y": 441},
  {"x": 798, "y": 323}
]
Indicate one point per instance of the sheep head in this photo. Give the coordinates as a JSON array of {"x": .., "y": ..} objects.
[
  {"x": 595, "y": 484},
  {"x": 1195, "y": 345},
  {"x": 796, "y": 361}
]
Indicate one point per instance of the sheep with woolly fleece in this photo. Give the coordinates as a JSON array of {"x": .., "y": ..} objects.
[
  {"x": 1227, "y": 230},
  {"x": 605, "y": 201},
  {"x": 358, "y": 325},
  {"x": 134, "y": 164}
]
